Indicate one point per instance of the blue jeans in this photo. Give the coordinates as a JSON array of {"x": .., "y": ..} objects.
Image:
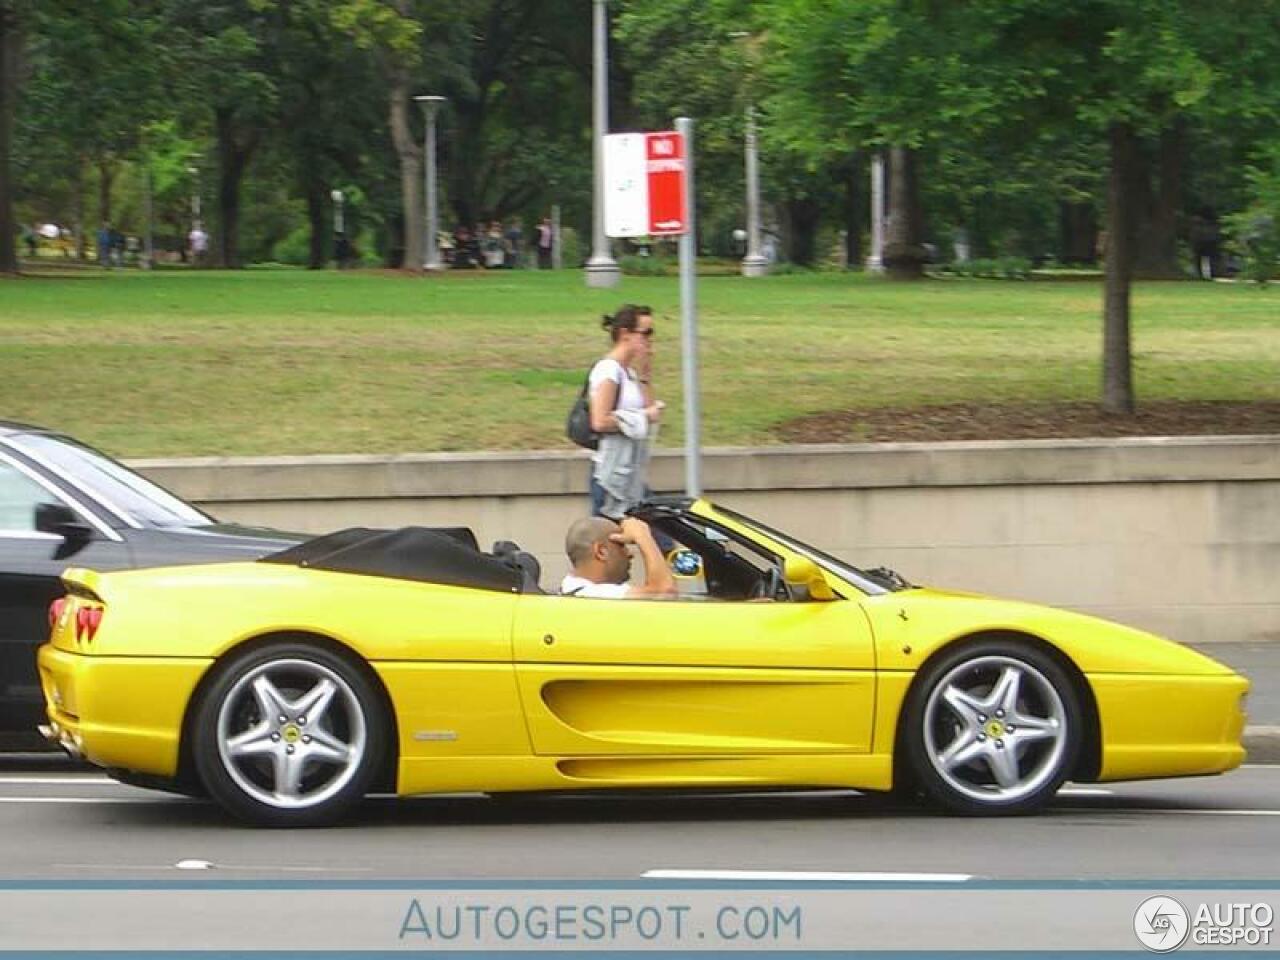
[{"x": 596, "y": 492}]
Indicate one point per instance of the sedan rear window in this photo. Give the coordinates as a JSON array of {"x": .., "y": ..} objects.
[{"x": 135, "y": 499}]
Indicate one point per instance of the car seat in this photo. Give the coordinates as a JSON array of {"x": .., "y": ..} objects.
[{"x": 528, "y": 565}]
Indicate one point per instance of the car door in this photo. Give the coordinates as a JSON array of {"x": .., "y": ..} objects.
[
  {"x": 662, "y": 677},
  {"x": 31, "y": 563}
]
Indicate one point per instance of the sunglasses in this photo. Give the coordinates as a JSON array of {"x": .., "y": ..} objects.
[{"x": 645, "y": 333}]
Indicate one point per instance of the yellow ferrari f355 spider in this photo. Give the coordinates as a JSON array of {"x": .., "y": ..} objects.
[{"x": 411, "y": 661}]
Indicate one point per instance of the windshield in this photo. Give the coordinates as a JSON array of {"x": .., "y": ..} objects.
[
  {"x": 136, "y": 499},
  {"x": 867, "y": 581}
]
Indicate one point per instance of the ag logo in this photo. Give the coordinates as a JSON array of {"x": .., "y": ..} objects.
[{"x": 1161, "y": 924}]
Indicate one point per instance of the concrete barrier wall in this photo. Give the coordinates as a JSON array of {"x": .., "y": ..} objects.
[{"x": 1177, "y": 535}]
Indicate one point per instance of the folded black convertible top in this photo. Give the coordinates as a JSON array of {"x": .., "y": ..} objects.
[{"x": 446, "y": 555}]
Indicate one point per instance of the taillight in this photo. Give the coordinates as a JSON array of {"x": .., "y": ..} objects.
[
  {"x": 55, "y": 610},
  {"x": 87, "y": 621}
]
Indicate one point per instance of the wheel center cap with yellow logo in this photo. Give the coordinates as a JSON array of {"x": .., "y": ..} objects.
[
  {"x": 995, "y": 728},
  {"x": 291, "y": 734}
]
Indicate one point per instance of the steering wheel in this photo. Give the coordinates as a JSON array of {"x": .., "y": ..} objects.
[{"x": 769, "y": 587}]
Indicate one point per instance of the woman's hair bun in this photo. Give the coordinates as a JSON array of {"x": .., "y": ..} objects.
[{"x": 606, "y": 322}]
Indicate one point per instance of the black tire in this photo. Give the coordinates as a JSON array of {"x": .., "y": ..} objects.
[
  {"x": 290, "y": 769},
  {"x": 969, "y": 752}
]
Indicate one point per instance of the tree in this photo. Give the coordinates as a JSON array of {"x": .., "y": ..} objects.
[
  {"x": 95, "y": 84},
  {"x": 878, "y": 74},
  {"x": 326, "y": 83},
  {"x": 1138, "y": 69},
  {"x": 393, "y": 32},
  {"x": 714, "y": 67},
  {"x": 15, "y": 17},
  {"x": 227, "y": 56},
  {"x": 910, "y": 73}
]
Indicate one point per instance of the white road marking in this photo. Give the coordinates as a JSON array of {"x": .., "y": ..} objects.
[
  {"x": 79, "y": 781},
  {"x": 1200, "y": 813},
  {"x": 1085, "y": 792},
  {"x": 825, "y": 875},
  {"x": 243, "y": 867},
  {"x": 88, "y": 799}
]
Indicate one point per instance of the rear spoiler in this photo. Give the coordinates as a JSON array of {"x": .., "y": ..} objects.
[{"x": 83, "y": 582}]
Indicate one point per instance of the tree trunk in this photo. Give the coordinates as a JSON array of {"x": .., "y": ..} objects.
[
  {"x": 82, "y": 226},
  {"x": 854, "y": 212},
  {"x": 233, "y": 160},
  {"x": 1117, "y": 360},
  {"x": 10, "y": 52},
  {"x": 802, "y": 215},
  {"x": 1077, "y": 233},
  {"x": 1156, "y": 234},
  {"x": 317, "y": 209},
  {"x": 466, "y": 191},
  {"x": 106, "y": 181},
  {"x": 903, "y": 252},
  {"x": 410, "y": 171}
]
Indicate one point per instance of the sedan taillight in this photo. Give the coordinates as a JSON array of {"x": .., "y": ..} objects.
[{"x": 55, "y": 610}]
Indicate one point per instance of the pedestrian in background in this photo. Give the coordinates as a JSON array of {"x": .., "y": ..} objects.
[
  {"x": 545, "y": 241},
  {"x": 198, "y": 241},
  {"x": 624, "y": 413},
  {"x": 104, "y": 244},
  {"x": 515, "y": 241}
]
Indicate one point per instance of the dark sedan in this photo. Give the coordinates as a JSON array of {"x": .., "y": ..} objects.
[{"x": 61, "y": 504}]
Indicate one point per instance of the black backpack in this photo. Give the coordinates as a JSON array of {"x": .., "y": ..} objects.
[{"x": 578, "y": 425}]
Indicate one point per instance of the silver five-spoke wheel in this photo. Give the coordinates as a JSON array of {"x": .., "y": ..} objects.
[
  {"x": 994, "y": 728},
  {"x": 289, "y": 735}
]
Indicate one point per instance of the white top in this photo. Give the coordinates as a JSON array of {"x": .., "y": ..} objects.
[
  {"x": 630, "y": 397},
  {"x": 577, "y": 586}
]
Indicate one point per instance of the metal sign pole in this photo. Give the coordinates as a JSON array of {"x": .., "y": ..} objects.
[{"x": 689, "y": 320}]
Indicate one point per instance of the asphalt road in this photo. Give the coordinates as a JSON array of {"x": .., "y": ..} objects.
[{"x": 61, "y": 824}]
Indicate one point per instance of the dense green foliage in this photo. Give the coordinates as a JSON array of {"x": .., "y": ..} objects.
[{"x": 263, "y": 107}]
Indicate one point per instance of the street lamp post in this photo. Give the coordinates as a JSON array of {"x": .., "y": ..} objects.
[
  {"x": 875, "y": 262},
  {"x": 602, "y": 270},
  {"x": 754, "y": 264},
  {"x": 430, "y": 106}
]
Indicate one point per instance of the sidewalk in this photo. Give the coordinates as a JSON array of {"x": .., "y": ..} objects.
[{"x": 1260, "y": 662}]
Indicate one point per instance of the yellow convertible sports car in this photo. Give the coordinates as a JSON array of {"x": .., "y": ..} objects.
[{"x": 410, "y": 661}]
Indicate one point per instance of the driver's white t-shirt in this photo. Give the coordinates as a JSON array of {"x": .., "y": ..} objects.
[{"x": 574, "y": 586}]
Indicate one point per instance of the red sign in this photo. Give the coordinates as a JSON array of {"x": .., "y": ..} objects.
[{"x": 664, "y": 163}]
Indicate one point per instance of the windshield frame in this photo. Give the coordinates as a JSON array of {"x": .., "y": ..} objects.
[{"x": 863, "y": 580}]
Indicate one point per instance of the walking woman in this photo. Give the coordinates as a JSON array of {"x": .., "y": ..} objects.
[{"x": 623, "y": 412}]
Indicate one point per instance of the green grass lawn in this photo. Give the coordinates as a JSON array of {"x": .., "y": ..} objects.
[{"x": 282, "y": 361}]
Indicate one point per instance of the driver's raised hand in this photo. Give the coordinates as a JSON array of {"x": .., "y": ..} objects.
[{"x": 633, "y": 530}]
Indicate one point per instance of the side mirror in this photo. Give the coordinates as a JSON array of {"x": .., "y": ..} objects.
[
  {"x": 806, "y": 580},
  {"x": 61, "y": 520}
]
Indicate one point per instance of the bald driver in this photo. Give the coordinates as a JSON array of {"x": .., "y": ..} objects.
[{"x": 600, "y": 551}]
